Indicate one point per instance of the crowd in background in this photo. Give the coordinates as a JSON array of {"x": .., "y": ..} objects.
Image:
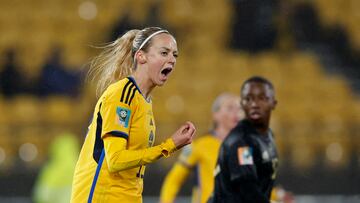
[
  {"x": 257, "y": 26},
  {"x": 54, "y": 79}
]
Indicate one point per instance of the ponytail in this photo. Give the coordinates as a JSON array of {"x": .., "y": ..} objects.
[{"x": 114, "y": 63}]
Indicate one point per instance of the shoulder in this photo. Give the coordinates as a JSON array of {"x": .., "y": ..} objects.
[
  {"x": 237, "y": 136},
  {"x": 204, "y": 139},
  {"x": 197, "y": 143},
  {"x": 122, "y": 91},
  {"x": 272, "y": 135},
  {"x": 114, "y": 91}
]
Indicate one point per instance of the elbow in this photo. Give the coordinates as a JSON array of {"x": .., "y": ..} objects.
[
  {"x": 112, "y": 169},
  {"x": 114, "y": 165}
]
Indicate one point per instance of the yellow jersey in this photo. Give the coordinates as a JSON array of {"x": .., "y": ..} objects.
[
  {"x": 203, "y": 154},
  {"x": 118, "y": 144}
]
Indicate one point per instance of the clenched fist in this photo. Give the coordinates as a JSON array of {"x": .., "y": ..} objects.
[{"x": 184, "y": 135}]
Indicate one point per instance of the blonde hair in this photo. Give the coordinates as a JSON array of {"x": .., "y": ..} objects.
[
  {"x": 116, "y": 61},
  {"x": 219, "y": 102}
]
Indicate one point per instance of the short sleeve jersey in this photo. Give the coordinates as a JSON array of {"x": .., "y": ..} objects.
[{"x": 121, "y": 111}]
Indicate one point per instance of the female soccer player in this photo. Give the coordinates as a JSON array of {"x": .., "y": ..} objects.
[
  {"x": 120, "y": 140},
  {"x": 203, "y": 152}
]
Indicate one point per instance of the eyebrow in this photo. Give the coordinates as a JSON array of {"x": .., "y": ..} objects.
[{"x": 167, "y": 49}]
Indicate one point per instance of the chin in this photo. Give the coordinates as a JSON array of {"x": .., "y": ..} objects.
[
  {"x": 255, "y": 120},
  {"x": 160, "y": 83}
]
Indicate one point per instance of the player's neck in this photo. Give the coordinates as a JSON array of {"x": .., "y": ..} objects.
[
  {"x": 145, "y": 85},
  {"x": 262, "y": 128},
  {"x": 221, "y": 133},
  {"x": 262, "y": 131}
]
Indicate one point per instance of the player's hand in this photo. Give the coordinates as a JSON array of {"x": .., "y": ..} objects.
[{"x": 184, "y": 135}]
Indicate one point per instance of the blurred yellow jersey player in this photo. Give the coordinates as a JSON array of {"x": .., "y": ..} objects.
[
  {"x": 203, "y": 152},
  {"x": 124, "y": 107}
]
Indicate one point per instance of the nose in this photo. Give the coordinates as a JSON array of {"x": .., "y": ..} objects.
[
  {"x": 254, "y": 103},
  {"x": 172, "y": 60}
]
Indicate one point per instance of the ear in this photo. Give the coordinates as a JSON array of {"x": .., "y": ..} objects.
[
  {"x": 140, "y": 57},
  {"x": 215, "y": 116},
  {"x": 242, "y": 103},
  {"x": 274, "y": 104}
]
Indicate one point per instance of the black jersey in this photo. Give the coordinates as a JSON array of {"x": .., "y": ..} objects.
[{"x": 246, "y": 166}]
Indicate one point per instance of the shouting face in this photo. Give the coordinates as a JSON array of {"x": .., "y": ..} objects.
[{"x": 160, "y": 58}]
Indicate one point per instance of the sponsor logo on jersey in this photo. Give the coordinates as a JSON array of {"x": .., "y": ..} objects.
[
  {"x": 245, "y": 156},
  {"x": 123, "y": 116}
]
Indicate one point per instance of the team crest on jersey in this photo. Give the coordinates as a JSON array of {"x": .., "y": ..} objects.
[
  {"x": 123, "y": 116},
  {"x": 245, "y": 156}
]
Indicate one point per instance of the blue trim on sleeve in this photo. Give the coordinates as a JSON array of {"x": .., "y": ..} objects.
[
  {"x": 99, "y": 143},
  {"x": 96, "y": 176},
  {"x": 119, "y": 134}
]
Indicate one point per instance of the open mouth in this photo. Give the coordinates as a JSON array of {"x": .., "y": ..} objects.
[{"x": 166, "y": 71}]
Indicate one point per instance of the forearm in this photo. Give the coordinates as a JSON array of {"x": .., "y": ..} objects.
[
  {"x": 119, "y": 158},
  {"x": 173, "y": 182}
]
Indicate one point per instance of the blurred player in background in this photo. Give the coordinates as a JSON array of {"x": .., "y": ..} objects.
[
  {"x": 202, "y": 154},
  {"x": 120, "y": 140},
  {"x": 53, "y": 184},
  {"x": 247, "y": 162}
]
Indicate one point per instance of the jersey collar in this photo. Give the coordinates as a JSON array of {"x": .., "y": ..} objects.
[{"x": 137, "y": 87}]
